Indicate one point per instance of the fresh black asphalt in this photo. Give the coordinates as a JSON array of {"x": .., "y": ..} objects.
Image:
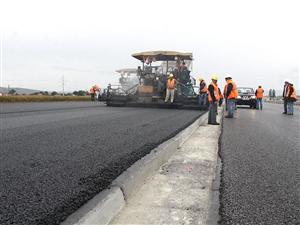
[
  {"x": 260, "y": 180},
  {"x": 55, "y": 158},
  {"x": 45, "y": 106}
]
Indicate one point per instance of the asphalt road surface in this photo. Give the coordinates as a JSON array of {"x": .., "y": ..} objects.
[
  {"x": 56, "y": 156},
  {"x": 260, "y": 180}
]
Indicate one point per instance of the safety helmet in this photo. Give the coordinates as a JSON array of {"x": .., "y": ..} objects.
[
  {"x": 228, "y": 77},
  {"x": 214, "y": 77},
  {"x": 201, "y": 78},
  {"x": 171, "y": 75}
]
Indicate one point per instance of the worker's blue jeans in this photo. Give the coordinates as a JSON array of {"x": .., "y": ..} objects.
[
  {"x": 290, "y": 108},
  {"x": 230, "y": 107},
  {"x": 202, "y": 99},
  {"x": 284, "y": 105},
  {"x": 259, "y": 104}
]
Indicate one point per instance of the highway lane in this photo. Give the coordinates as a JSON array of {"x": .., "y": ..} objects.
[
  {"x": 260, "y": 180},
  {"x": 54, "y": 159},
  {"x": 45, "y": 106}
]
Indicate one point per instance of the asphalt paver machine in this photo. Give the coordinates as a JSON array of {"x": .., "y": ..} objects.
[{"x": 152, "y": 76}]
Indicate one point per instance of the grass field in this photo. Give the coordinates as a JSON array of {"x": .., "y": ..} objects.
[{"x": 35, "y": 98}]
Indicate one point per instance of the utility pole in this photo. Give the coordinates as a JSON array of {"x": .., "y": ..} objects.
[{"x": 63, "y": 85}]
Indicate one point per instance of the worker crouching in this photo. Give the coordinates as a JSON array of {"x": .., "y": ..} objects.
[
  {"x": 171, "y": 86},
  {"x": 213, "y": 98}
]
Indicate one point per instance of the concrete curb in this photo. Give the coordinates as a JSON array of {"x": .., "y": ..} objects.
[
  {"x": 99, "y": 210},
  {"x": 106, "y": 205}
]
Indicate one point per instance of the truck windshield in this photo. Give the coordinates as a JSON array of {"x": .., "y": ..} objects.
[{"x": 246, "y": 90}]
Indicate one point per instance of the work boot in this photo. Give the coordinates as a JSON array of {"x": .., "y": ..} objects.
[
  {"x": 215, "y": 123},
  {"x": 284, "y": 113}
]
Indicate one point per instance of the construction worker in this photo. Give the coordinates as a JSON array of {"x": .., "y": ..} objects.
[
  {"x": 202, "y": 92},
  {"x": 285, "y": 95},
  {"x": 213, "y": 98},
  {"x": 259, "y": 94},
  {"x": 171, "y": 86},
  {"x": 92, "y": 93},
  {"x": 220, "y": 100},
  {"x": 230, "y": 94},
  {"x": 291, "y": 98}
]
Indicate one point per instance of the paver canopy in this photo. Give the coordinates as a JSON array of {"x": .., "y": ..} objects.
[{"x": 162, "y": 56}]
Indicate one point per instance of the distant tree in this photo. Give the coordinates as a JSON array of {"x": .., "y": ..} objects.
[
  {"x": 46, "y": 93},
  {"x": 54, "y": 93},
  {"x": 81, "y": 93},
  {"x": 12, "y": 91}
]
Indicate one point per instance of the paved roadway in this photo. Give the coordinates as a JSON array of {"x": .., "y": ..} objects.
[
  {"x": 261, "y": 163},
  {"x": 56, "y": 156}
]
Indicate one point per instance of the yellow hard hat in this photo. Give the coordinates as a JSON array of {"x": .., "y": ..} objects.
[
  {"x": 171, "y": 75},
  {"x": 201, "y": 78},
  {"x": 214, "y": 77}
]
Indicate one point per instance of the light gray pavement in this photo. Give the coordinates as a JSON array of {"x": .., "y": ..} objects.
[{"x": 181, "y": 191}]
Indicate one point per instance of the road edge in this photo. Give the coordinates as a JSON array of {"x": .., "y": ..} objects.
[{"x": 102, "y": 208}]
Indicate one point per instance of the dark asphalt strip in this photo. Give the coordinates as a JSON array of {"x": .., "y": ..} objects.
[
  {"x": 47, "y": 110},
  {"x": 105, "y": 177},
  {"x": 260, "y": 177},
  {"x": 53, "y": 163},
  {"x": 221, "y": 187}
]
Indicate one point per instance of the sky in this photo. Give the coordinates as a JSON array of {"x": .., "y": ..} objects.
[{"x": 84, "y": 42}]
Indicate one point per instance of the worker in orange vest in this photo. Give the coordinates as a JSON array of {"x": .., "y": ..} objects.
[
  {"x": 259, "y": 94},
  {"x": 213, "y": 98},
  {"x": 291, "y": 98},
  {"x": 230, "y": 95},
  {"x": 92, "y": 93},
  {"x": 171, "y": 86},
  {"x": 202, "y": 92}
]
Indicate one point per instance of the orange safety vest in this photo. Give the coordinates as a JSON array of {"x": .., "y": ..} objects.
[
  {"x": 234, "y": 92},
  {"x": 216, "y": 93},
  {"x": 92, "y": 91},
  {"x": 204, "y": 89},
  {"x": 259, "y": 93},
  {"x": 171, "y": 83},
  {"x": 293, "y": 95}
]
